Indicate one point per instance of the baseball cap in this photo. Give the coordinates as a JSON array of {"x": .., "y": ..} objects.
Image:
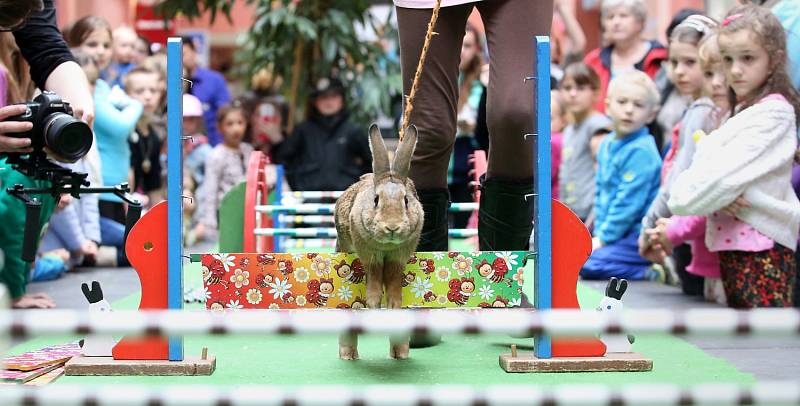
[{"x": 192, "y": 107}]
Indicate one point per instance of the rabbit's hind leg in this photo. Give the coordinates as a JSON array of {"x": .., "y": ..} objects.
[
  {"x": 393, "y": 278},
  {"x": 348, "y": 346}
]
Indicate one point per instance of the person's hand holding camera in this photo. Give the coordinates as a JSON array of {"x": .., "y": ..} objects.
[{"x": 11, "y": 143}]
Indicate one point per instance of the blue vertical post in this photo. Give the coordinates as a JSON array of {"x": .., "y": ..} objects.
[
  {"x": 543, "y": 223},
  {"x": 175, "y": 186},
  {"x": 276, "y": 216}
]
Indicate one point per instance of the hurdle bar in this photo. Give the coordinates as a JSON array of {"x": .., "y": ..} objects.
[
  {"x": 330, "y": 232},
  {"x": 314, "y": 194},
  {"x": 312, "y": 243},
  {"x": 307, "y": 219},
  {"x": 576, "y": 323},
  {"x": 323, "y": 208},
  {"x": 762, "y": 393}
]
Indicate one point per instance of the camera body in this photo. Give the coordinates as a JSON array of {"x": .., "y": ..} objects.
[{"x": 66, "y": 138}]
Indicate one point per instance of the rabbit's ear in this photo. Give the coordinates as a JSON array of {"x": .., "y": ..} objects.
[
  {"x": 623, "y": 286},
  {"x": 86, "y": 291},
  {"x": 402, "y": 158},
  {"x": 380, "y": 158},
  {"x": 97, "y": 290},
  {"x": 611, "y": 287}
]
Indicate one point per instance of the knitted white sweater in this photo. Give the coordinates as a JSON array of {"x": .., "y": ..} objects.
[{"x": 750, "y": 156}]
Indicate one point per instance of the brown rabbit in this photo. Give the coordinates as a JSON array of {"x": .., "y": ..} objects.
[{"x": 380, "y": 219}]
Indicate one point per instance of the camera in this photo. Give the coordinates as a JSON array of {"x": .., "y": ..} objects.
[{"x": 66, "y": 138}]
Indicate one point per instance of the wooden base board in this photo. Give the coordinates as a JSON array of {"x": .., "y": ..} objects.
[
  {"x": 615, "y": 362},
  {"x": 107, "y": 366}
]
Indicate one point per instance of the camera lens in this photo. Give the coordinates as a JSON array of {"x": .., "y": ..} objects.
[{"x": 67, "y": 137}]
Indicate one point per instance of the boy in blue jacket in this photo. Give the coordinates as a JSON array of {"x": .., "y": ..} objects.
[{"x": 627, "y": 180}]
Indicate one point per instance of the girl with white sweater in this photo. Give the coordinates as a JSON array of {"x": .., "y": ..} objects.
[{"x": 740, "y": 175}]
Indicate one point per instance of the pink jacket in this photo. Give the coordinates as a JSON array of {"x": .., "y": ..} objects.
[{"x": 693, "y": 228}]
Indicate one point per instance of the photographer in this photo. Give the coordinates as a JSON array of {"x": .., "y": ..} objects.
[
  {"x": 52, "y": 67},
  {"x": 33, "y": 23}
]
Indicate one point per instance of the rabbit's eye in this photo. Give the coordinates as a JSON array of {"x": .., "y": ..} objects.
[
  {"x": 608, "y": 307},
  {"x": 405, "y": 199},
  {"x": 376, "y": 200}
]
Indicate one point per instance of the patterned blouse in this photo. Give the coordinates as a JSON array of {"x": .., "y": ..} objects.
[{"x": 225, "y": 168}]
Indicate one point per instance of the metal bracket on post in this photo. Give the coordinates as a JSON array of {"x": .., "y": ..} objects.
[{"x": 542, "y": 233}]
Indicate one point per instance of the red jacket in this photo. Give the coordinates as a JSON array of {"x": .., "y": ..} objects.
[{"x": 600, "y": 60}]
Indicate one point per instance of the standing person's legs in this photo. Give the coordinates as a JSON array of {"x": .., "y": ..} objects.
[
  {"x": 505, "y": 217},
  {"x": 434, "y": 109},
  {"x": 434, "y": 115}
]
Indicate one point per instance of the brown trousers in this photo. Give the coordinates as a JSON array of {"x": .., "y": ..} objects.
[{"x": 510, "y": 28}]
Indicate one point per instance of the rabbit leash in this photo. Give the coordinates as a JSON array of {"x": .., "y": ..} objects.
[{"x": 426, "y": 45}]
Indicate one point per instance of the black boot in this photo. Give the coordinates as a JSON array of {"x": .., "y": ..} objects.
[
  {"x": 434, "y": 230},
  {"x": 505, "y": 217},
  {"x": 434, "y": 238}
]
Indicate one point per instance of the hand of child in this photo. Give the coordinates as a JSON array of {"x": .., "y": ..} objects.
[
  {"x": 737, "y": 205},
  {"x": 89, "y": 249},
  {"x": 199, "y": 231},
  {"x": 63, "y": 202},
  {"x": 649, "y": 248},
  {"x": 596, "y": 244},
  {"x": 661, "y": 235},
  {"x": 33, "y": 301}
]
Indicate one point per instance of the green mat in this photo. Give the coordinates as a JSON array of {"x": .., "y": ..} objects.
[{"x": 471, "y": 360}]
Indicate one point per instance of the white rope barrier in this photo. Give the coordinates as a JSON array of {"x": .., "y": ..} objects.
[
  {"x": 330, "y": 232},
  {"x": 772, "y": 322},
  {"x": 323, "y": 208},
  {"x": 764, "y": 393}
]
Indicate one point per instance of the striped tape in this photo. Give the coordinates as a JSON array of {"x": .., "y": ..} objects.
[
  {"x": 764, "y": 393},
  {"x": 321, "y": 208},
  {"x": 330, "y": 232},
  {"x": 450, "y": 321}
]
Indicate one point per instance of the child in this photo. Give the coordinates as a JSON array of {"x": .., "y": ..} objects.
[
  {"x": 123, "y": 55},
  {"x": 688, "y": 79},
  {"x": 677, "y": 230},
  {"x": 227, "y": 164},
  {"x": 741, "y": 174},
  {"x": 580, "y": 88},
  {"x": 142, "y": 85},
  {"x": 628, "y": 165},
  {"x": 76, "y": 228},
  {"x": 116, "y": 115},
  {"x": 195, "y": 155},
  {"x": 558, "y": 120}
]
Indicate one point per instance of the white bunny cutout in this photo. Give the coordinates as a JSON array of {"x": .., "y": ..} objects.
[
  {"x": 96, "y": 345},
  {"x": 612, "y": 304}
]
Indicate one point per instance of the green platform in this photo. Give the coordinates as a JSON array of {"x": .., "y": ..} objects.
[{"x": 471, "y": 360}]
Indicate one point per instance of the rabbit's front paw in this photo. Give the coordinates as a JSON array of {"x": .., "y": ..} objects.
[
  {"x": 374, "y": 300},
  {"x": 348, "y": 352}
]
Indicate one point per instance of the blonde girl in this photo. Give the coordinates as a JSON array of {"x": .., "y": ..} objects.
[
  {"x": 740, "y": 177},
  {"x": 688, "y": 78}
]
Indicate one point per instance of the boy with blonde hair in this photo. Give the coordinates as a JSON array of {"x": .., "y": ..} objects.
[{"x": 628, "y": 171}]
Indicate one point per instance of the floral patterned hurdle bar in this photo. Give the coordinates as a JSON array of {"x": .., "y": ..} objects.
[{"x": 336, "y": 280}]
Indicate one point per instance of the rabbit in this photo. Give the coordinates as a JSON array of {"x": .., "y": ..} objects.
[
  {"x": 380, "y": 219},
  {"x": 612, "y": 304},
  {"x": 96, "y": 346}
]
